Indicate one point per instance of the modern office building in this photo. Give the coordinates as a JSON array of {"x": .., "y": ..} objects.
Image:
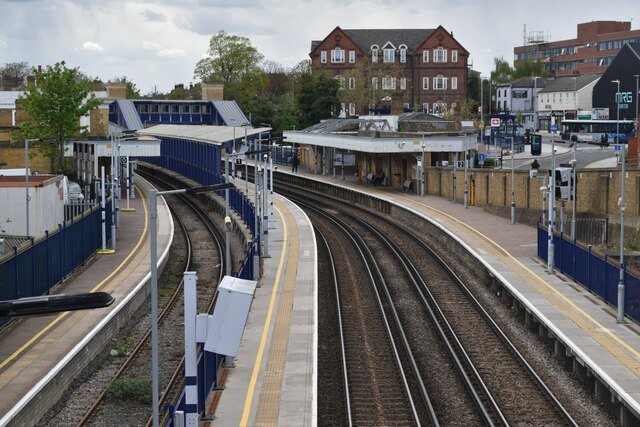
[
  {"x": 591, "y": 52},
  {"x": 392, "y": 70}
]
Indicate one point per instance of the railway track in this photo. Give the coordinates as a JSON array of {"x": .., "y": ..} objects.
[
  {"x": 499, "y": 386},
  {"x": 206, "y": 255}
]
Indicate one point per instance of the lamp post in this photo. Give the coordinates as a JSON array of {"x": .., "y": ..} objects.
[
  {"x": 637, "y": 76},
  {"x": 552, "y": 210},
  {"x": 534, "y": 105},
  {"x": 621, "y": 204},
  {"x": 513, "y": 186},
  {"x": 153, "y": 216},
  {"x": 574, "y": 191}
]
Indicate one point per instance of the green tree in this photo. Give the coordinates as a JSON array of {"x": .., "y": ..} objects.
[
  {"x": 502, "y": 72},
  {"x": 55, "y": 107},
  {"x": 318, "y": 99},
  {"x": 234, "y": 62},
  {"x": 529, "y": 68},
  {"x": 13, "y": 75}
]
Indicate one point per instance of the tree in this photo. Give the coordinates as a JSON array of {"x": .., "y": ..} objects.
[
  {"x": 502, "y": 72},
  {"x": 318, "y": 98},
  {"x": 55, "y": 106},
  {"x": 14, "y": 74},
  {"x": 530, "y": 68},
  {"x": 234, "y": 62}
]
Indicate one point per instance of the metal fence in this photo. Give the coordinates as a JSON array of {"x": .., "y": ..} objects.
[
  {"x": 599, "y": 274},
  {"x": 38, "y": 265}
]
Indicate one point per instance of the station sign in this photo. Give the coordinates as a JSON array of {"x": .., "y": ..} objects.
[{"x": 495, "y": 122}]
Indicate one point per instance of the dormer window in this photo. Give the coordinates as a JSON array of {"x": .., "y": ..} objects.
[
  {"x": 403, "y": 53},
  {"x": 374, "y": 53},
  {"x": 389, "y": 51}
]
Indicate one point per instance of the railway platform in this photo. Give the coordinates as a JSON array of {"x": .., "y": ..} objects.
[
  {"x": 39, "y": 356},
  {"x": 604, "y": 351}
]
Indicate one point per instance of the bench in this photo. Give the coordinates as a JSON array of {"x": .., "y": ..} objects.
[{"x": 406, "y": 186}]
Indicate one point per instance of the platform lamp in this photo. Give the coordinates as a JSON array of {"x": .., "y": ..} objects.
[
  {"x": 620, "y": 318},
  {"x": 153, "y": 216}
]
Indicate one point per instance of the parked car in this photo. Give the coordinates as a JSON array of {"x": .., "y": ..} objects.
[{"x": 75, "y": 192}]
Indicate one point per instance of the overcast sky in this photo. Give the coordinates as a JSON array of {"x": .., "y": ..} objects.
[{"x": 157, "y": 43}]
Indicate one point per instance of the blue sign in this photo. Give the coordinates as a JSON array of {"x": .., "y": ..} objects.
[
  {"x": 554, "y": 129},
  {"x": 618, "y": 148},
  {"x": 481, "y": 157}
]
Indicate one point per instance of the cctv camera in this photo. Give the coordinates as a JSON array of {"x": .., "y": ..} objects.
[
  {"x": 275, "y": 167},
  {"x": 227, "y": 222},
  {"x": 543, "y": 189}
]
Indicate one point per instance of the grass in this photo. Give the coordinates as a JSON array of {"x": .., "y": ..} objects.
[{"x": 123, "y": 347}]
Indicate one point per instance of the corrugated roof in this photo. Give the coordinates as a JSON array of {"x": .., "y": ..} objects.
[
  {"x": 204, "y": 133},
  {"x": 231, "y": 113},
  {"x": 129, "y": 114}
]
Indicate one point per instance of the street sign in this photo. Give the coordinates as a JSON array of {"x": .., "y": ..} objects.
[
  {"x": 482, "y": 157},
  {"x": 495, "y": 122},
  {"x": 618, "y": 148}
]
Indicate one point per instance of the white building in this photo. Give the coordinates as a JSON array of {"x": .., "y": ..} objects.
[
  {"x": 519, "y": 96},
  {"x": 565, "y": 97}
]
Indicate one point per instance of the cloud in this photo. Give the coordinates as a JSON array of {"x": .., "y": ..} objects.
[
  {"x": 154, "y": 16},
  {"x": 151, "y": 45},
  {"x": 92, "y": 46},
  {"x": 172, "y": 53},
  {"x": 3, "y": 44}
]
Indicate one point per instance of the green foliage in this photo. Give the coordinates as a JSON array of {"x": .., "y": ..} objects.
[
  {"x": 125, "y": 346},
  {"x": 519, "y": 117},
  {"x": 502, "y": 71},
  {"x": 234, "y": 62},
  {"x": 55, "y": 107},
  {"x": 318, "y": 99},
  {"x": 529, "y": 68},
  {"x": 134, "y": 390}
]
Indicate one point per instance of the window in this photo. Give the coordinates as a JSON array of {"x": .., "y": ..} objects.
[
  {"x": 352, "y": 56},
  {"x": 425, "y": 56},
  {"x": 389, "y": 55},
  {"x": 454, "y": 83},
  {"x": 405, "y": 106},
  {"x": 196, "y": 109},
  {"x": 205, "y": 109},
  {"x": 165, "y": 108},
  {"x": 403, "y": 54},
  {"x": 374, "y": 53},
  {"x": 374, "y": 83},
  {"x": 403, "y": 83},
  {"x": 323, "y": 56},
  {"x": 425, "y": 83},
  {"x": 340, "y": 82},
  {"x": 337, "y": 56},
  {"x": 352, "y": 109},
  {"x": 440, "y": 55},
  {"x": 175, "y": 108},
  {"x": 440, "y": 82},
  {"x": 388, "y": 83},
  {"x": 155, "y": 108},
  {"x": 352, "y": 83},
  {"x": 144, "y": 108},
  {"x": 454, "y": 56},
  {"x": 186, "y": 108},
  {"x": 425, "y": 107}
]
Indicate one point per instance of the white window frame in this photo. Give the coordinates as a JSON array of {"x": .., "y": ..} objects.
[
  {"x": 352, "y": 57},
  {"x": 403, "y": 83},
  {"x": 425, "y": 83},
  {"x": 323, "y": 56},
  {"x": 425, "y": 107},
  {"x": 352, "y": 83},
  {"x": 425, "y": 56},
  {"x": 454, "y": 83},
  {"x": 403, "y": 55},
  {"x": 374, "y": 83},
  {"x": 352, "y": 109},
  {"x": 337, "y": 56},
  {"x": 388, "y": 83},
  {"x": 440, "y": 55},
  {"x": 439, "y": 82},
  {"x": 454, "y": 56},
  {"x": 340, "y": 81},
  {"x": 374, "y": 53},
  {"x": 388, "y": 55}
]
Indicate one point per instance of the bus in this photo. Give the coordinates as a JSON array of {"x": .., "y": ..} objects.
[{"x": 597, "y": 131}]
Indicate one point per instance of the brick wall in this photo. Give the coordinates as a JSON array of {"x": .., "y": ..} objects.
[{"x": 13, "y": 156}]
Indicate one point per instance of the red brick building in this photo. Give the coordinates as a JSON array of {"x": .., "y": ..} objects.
[
  {"x": 591, "y": 52},
  {"x": 394, "y": 69}
]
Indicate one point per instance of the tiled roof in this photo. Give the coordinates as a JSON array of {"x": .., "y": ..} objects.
[{"x": 366, "y": 38}]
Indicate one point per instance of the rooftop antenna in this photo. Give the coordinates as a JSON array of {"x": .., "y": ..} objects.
[{"x": 524, "y": 34}]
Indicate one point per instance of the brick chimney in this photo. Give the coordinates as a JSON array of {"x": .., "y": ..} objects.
[{"x": 212, "y": 92}]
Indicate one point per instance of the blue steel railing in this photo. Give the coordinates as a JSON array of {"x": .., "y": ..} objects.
[
  {"x": 597, "y": 273},
  {"x": 35, "y": 267}
]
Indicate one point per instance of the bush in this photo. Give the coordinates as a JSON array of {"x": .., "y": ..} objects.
[{"x": 133, "y": 390}]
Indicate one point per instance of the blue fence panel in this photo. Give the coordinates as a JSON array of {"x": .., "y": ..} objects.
[
  {"x": 597, "y": 272},
  {"x": 612, "y": 278},
  {"x": 24, "y": 277},
  {"x": 567, "y": 257},
  {"x": 8, "y": 272},
  {"x": 583, "y": 258},
  {"x": 632, "y": 295},
  {"x": 542, "y": 237}
]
